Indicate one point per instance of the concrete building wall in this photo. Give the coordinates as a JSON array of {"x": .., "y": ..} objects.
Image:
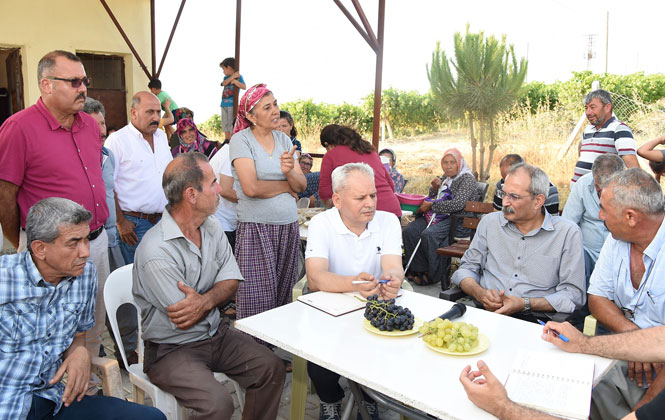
[{"x": 40, "y": 26}]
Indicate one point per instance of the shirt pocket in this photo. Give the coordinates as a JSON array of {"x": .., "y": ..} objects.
[
  {"x": 20, "y": 324},
  {"x": 655, "y": 302},
  {"x": 71, "y": 317}
]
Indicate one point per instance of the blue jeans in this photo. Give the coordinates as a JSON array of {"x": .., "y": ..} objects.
[
  {"x": 141, "y": 226},
  {"x": 93, "y": 407}
]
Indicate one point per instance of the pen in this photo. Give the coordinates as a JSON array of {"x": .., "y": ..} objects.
[
  {"x": 556, "y": 334},
  {"x": 367, "y": 281}
]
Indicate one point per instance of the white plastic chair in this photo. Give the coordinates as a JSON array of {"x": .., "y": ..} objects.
[{"x": 118, "y": 291}]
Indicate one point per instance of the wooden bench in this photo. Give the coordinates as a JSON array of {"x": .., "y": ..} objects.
[{"x": 457, "y": 248}]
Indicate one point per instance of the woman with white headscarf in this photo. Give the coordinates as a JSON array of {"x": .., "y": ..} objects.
[{"x": 448, "y": 195}]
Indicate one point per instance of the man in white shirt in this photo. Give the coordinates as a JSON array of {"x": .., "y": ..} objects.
[
  {"x": 351, "y": 243},
  {"x": 226, "y": 210},
  {"x": 142, "y": 153}
]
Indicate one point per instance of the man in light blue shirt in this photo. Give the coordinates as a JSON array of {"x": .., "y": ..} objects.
[
  {"x": 627, "y": 290},
  {"x": 583, "y": 206}
]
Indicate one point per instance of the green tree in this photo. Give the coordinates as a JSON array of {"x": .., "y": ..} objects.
[{"x": 486, "y": 81}]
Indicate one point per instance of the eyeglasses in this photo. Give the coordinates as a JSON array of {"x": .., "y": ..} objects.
[
  {"x": 511, "y": 196},
  {"x": 76, "y": 82},
  {"x": 306, "y": 164}
]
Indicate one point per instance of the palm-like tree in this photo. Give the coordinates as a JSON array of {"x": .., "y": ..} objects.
[{"x": 486, "y": 81}]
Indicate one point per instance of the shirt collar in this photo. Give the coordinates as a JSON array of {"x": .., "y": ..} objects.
[
  {"x": 546, "y": 225},
  {"x": 135, "y": 131},
  {"x": 34, "y": 276},
  {"x": 55, "y": 124},
  {"x": 656, "y": 243},
  {"x": 170, "y": 228},
  {"x": 341, "y": 228}
]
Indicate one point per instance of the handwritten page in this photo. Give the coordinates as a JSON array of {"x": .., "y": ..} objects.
[{"x": 558, "y": 383}]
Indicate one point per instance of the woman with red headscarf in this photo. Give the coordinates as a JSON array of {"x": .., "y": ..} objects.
[
  {"x": 191, "y": 140},
  {"x": 448, "y": 195},
  {"x": 267, "y": 179}
]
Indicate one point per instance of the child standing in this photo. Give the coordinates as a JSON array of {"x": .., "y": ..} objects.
[
  {"x": 155, "y": 86},
  {"x": 231, "y": 79}
]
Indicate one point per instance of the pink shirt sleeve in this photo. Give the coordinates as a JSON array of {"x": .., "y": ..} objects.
[
  {"x": 325, "y": 179},
  {"x": 13, "y": 144}
]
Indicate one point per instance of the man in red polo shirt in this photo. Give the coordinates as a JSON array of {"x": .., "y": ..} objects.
[{"x": 52, "y": 150}]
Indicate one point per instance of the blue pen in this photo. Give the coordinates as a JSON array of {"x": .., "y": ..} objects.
[
  {"x": 556, "y": 334},
  {"x": 366, "y": 281}
]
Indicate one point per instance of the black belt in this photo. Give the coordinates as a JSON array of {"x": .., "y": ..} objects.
[{"x": 95, "y": 233}]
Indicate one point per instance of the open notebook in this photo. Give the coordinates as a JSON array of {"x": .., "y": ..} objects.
[
  {"x": 558, "y": 383},
  {"x": 335, "y": 304}
]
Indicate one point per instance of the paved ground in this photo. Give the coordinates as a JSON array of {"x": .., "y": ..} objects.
[{"x": 312, "y": 407}]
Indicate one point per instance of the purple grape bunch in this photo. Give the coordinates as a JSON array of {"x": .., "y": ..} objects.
[{"x": 386, "y": 316}]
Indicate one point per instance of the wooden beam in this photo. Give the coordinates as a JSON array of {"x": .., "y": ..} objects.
[
  {"x": 363, "y": 19},
  {"x": 168, "y": 43},
  {"x": 379, "y": 72},
  {"x": 236, "y": 91},
  {"x": 355, "y": 24},
  {"x": 152, "y": 37},
  {"x": 124, "y": 36}
]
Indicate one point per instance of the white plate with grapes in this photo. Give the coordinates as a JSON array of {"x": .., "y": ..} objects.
[
  {"x": 454, "y": 338},
  {"x": 387, "y": 318}
]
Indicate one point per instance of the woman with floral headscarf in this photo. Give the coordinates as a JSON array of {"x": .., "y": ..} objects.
[
  {"x": 191, "y": 140},
  {"x": 267, "y": 179},
  {"x": 448, "y": 195}
]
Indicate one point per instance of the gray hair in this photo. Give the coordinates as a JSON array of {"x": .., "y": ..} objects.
[
  {"x": 93, "y": 106},
  {"x": 605, "y": 166},
  {"x": 47, "y": 63},
  {"x": 47, "y": 216},
  {"x": 635, "y": 189},
  {"x": 184, "y": 174},
  {"x": 539, "y": 183},
  {"x": 601, "y": 94},
  {"x": 341, "y": 173}
]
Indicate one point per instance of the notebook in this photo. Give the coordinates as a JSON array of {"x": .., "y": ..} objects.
[
  {"x": 558, "y": 383},
  {"x": 335, "y": 304}
]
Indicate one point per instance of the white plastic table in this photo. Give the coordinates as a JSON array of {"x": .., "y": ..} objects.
[{"x": 400, "y": 367}]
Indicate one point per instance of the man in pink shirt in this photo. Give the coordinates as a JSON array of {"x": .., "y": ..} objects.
[{"x": 52, "y": 150}]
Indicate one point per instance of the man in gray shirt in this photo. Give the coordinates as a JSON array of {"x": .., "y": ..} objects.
[
  {"x": 183, "y": 270},
  {"x": 523, "y": 259}
]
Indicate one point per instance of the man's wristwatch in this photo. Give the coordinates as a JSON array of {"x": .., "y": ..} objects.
[{"x": 527, "y": 305}]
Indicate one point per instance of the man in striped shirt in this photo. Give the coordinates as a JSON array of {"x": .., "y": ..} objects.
[{"x": 604, "y": 134}]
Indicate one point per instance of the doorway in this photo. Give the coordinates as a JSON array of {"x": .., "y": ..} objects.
[
  {"x": 108, "y": 85},
  {"x": 11, "y": 83}
]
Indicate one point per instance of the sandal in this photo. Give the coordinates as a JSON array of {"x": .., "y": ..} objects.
[{"x": 421, "y": 279}]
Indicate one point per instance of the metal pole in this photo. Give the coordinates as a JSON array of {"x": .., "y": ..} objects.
[
  {"x": 379, "y": 72},
  {"x": 152, "y": 37},
  {"x": 418, "y": 244},
  {"x": 168, "y": 43},
  {"x": 237, "y": 55},
  {"x": 126, "y": 38}
]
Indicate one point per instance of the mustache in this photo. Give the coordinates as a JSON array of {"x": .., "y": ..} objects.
[
  {"x": 80, "y": 96},
  {"x": 155, "y": 123},
  {"x": 507, "y": 210}
]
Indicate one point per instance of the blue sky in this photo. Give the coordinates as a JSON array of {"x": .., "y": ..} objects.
[{"x": 307, "y": 48}]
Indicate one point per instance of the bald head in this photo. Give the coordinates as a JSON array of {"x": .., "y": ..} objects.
[{"x": 146, "y": 112}]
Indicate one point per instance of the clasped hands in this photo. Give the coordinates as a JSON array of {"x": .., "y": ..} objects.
[
  {"x": 384, "y": 290},
  {"x": 498, "y": 301}
]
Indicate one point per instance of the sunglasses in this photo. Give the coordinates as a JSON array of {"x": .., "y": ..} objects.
[{"x": 76, "y": 82}]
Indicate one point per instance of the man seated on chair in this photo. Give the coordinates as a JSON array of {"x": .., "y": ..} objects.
[
  {"x": 626, "y": 289},
  {"x": 184, "y": 268},
  {"x": 523, "y": 259},
  {"x": 552, "y": 201},
  {"x": 583, "y": 206},
  {"x": 47, "y": 302},
  {"x": 352, "y": 242}
]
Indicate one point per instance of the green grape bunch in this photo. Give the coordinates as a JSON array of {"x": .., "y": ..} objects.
[
  {"x": 455, "y": 336},
  {"x": 386, "y": 316}
]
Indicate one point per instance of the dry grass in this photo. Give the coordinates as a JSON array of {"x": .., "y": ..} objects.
[{"x": 539, "y": 138}]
